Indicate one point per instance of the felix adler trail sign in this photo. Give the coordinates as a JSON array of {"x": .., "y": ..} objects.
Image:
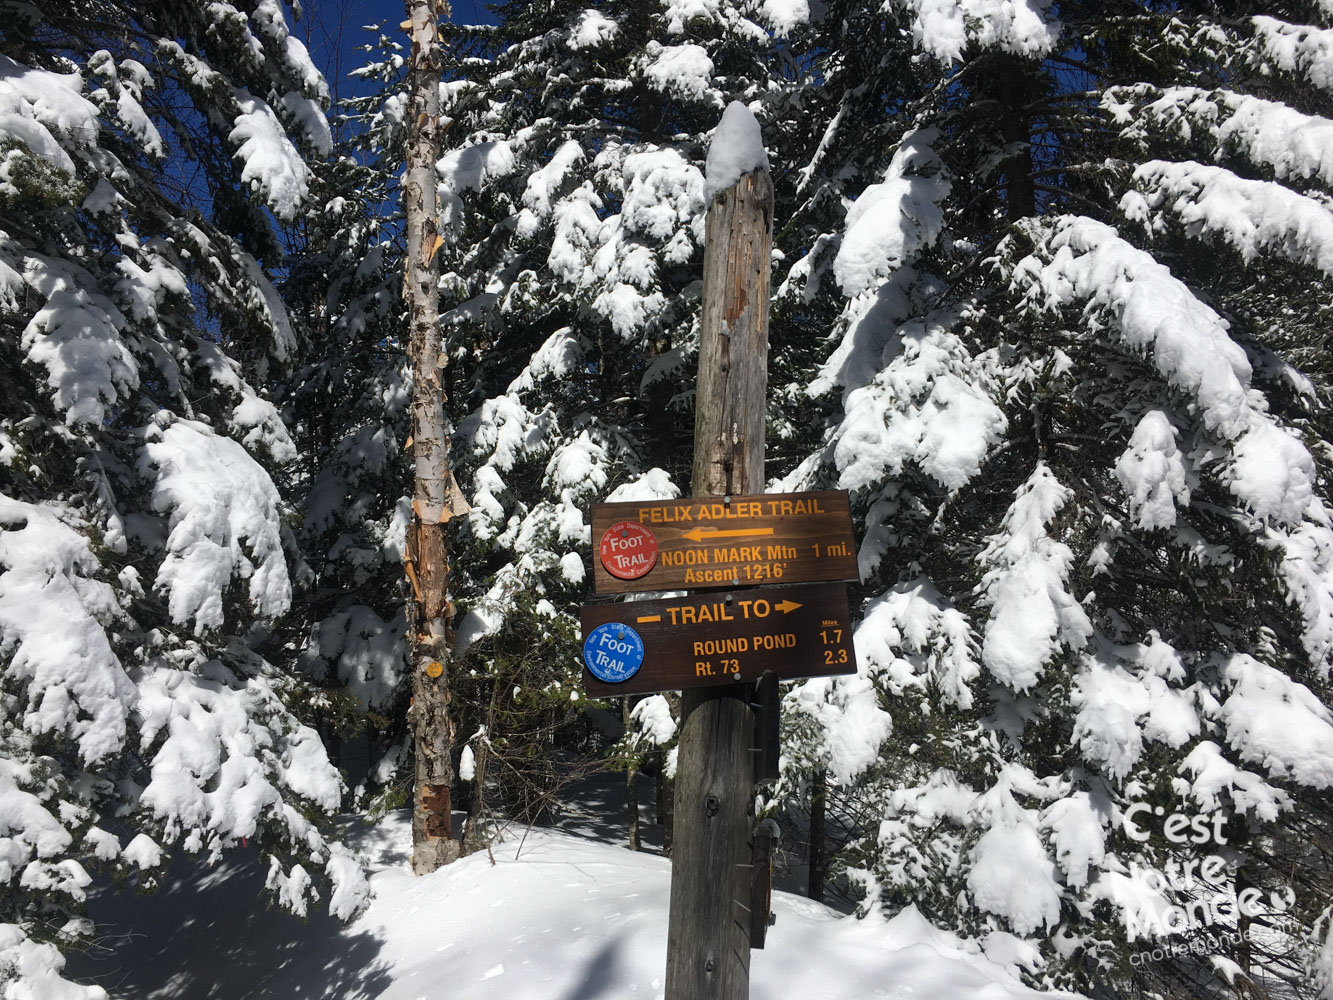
[{"x": 722, "y": 542}]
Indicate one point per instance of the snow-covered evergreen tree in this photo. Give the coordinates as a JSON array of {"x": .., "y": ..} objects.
[
  {"x": 145, "y": 154},
  {"x": 347, "y": 405},
  {"x": 573, "y": 210},
  {"x": 1079, "y": 389}
]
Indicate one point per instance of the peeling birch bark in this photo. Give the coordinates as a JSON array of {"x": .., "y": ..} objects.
[{"x": 434, "y": 496}]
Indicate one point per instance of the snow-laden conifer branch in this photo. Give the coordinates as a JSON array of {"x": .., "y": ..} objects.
[{"x": 134, "y": 507}]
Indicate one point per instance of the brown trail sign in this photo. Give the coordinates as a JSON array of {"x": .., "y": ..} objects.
[
  {"x": 723, "y": 542},
  {"x": 717, "y": 638}
]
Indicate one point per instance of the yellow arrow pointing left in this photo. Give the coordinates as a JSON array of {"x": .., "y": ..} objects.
[{"x": 699, "y": 534}]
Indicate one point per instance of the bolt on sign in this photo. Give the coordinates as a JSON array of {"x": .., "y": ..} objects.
[
  {"x": 717, "y": 638},
  {"x": 740, "y": 541}
]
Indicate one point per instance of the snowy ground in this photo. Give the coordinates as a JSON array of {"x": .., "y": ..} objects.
[{"x": 556, "y": 915}]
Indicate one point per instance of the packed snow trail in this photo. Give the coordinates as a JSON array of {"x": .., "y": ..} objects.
[{"x": 554, "y": 916}]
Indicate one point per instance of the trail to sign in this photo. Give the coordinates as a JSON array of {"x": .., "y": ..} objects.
[
  {"x": 723, "y": 542},
  {"x": 705, "y": 640}
]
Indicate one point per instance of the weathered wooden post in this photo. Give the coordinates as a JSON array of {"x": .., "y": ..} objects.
[
  {"x": 708, "y": 950},
  {"x": 780, "y": 617}
]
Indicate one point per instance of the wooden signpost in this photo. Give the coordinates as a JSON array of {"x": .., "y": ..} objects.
[
  {"x": 722, "y": 542},
  {"x": 710, "y": 644}
]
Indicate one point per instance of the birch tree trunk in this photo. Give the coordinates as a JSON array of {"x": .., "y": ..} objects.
[{"x": 426, "y": 555}]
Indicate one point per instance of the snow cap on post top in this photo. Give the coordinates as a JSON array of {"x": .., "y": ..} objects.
[{"x": 736, "y": 150}]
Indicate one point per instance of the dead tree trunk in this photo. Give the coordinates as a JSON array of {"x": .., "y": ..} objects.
[
  {"x": 426, "y": 555},
  {"x": 631, "y": 787},
  {"x": 1013, "y": 89},
  {"x": 665, "y": 791},
  {"x": 818, "y": 852},
  {"x": 708, "y": 949}
]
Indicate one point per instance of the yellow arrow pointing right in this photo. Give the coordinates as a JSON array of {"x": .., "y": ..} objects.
[{"x": 786, "y": 607}]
